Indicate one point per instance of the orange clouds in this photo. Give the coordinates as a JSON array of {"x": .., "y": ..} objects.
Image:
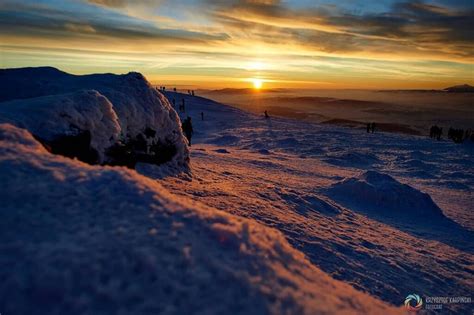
[{"x": 415, "y": 41}]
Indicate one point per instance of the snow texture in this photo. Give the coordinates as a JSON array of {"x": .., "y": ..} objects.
[
  {"x": 382, "y": 193},
  {"x": 411, "y": 231},
  {"x": 134, "y": 101},
  {"x": 50, "y": 117},
  {"x": 270, "y": 208},
  {"x": 79, "y": 239}
]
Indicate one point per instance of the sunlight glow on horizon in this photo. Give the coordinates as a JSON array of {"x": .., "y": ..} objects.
[
  {"x": 289, "y": 44},
  {"x": 257, "y": 83}
]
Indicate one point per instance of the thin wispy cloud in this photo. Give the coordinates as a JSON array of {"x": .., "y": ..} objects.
[{"x": 231, "y": 34}]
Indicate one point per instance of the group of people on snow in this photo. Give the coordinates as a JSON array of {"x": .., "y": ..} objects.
[
  {"x": 457, "y": 135},
  {"x": 460, "y": 135},
  {"x": 187, "y": 125},
  {"x": 436, "y": 132},
  {"x": 371, "y": 127},
  {"x": 163, "y": 89}
]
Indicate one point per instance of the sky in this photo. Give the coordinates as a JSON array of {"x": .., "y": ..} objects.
[{"x": 217, "y": 44}]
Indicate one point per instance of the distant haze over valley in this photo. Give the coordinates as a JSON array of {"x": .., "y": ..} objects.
[{"x": 414, "y": 110}]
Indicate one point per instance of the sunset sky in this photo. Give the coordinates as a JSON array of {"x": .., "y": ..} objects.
[{"x": 216, "y": 44}]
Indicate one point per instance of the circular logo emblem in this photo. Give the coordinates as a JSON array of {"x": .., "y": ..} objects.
[{"x": 413, "y": 302}]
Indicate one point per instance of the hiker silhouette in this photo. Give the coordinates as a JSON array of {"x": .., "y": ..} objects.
[
  {"x": 187, "y": 127},
  {"x": 436, "y": 132}
]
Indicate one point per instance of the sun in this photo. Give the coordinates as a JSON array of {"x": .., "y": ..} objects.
[{"x": 257, "y": 83}]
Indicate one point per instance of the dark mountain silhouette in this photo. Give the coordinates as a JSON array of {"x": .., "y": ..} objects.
[{"x": 465, "y": 88}]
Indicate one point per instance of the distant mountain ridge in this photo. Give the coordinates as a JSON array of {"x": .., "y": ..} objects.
[{"x": 464, "y": 88}]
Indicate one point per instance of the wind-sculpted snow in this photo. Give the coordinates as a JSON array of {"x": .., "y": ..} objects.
[
  {"x": 50, "y": 117},
  {"x": 381, "y": 193},
  {"x": 383, "y": 198},
  {"x": 146, "y": 119},
  {"x": 78, "y": 239}
]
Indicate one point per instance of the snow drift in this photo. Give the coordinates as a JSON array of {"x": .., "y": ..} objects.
[
  {"x": 382, "y": 194},
  {"x": 128, "y": 120},
  {"x": 83, "y": 239}
]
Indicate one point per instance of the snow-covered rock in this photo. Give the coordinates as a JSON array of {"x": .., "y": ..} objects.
[
  {"x": 147, "y": 122},
  {"x": 381, "y": 193},
  {"x": 50, "y": 117},
  {"x": 78, "y": 239}
]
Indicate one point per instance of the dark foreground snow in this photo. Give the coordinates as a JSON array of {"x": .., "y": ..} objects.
[{"x": 88, "y": 239}]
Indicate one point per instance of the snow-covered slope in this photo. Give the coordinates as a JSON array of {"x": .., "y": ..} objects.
[
  {"x": 82, "y": 239},
  {"x": 389, "y": 215},
  {"x": 145, "y": 117},
  {"x": 343, "y": 197}
]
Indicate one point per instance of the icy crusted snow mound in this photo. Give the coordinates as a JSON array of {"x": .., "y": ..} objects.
[
  {"x": 384, "y": 195},
  {"x": 148, "y": 125},
  {"x": 82, "y": 239},
  {"x": 50, "y": 117}
]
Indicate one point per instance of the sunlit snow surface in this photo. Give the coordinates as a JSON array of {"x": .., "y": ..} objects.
[
  {"x": 390, "y": 214},
  {"x": 81, "y": 239},
  {"x": 89, "y": 239}
]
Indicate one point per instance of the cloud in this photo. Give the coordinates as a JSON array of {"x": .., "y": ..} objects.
[
  {"x": 191, "y": 37},
  {"x": 413, "y": 26},
  {"x": 411, "y": 20},
  {"x": 29, "y": 19},
  {"x": 124, "y": 3},
  {"x": 110, "y": 3}
]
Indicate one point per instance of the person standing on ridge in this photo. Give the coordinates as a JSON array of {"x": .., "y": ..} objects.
[{"x": 187, "y": 127}]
